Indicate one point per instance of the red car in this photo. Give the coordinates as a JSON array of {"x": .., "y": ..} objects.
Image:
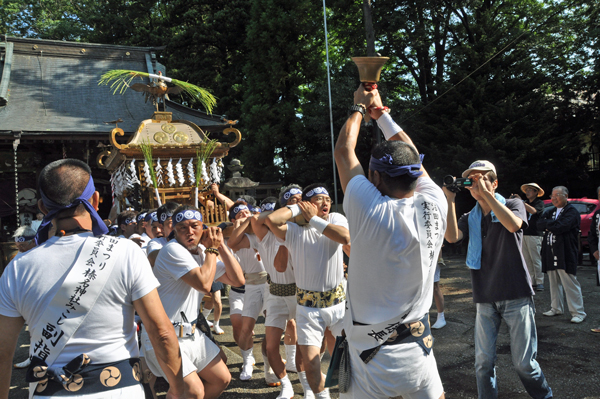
[{"x": 586, "y": 208}]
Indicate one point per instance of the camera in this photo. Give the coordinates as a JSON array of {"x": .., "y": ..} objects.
[{"x": 455, "y": 184}]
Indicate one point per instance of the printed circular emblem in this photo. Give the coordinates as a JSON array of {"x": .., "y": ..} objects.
[
  {"x": 161, "y": 137},
  {"x": 428, "y": 341},
  {"x": 179, "y": 217},
  {"x": 20, "y": 239},
  {"x": 168, "y": 128},
  {"x": 110, "y": 376},
  {"x": 287, "y": 195},
  {"x": 39, "y": 371},
  {"x": 197, "y": 215},
  {"x": 417, "y": 328},
  {"x": 163, "y": 217},
  {"x": 137, "y": 371},
  {"x": 310, "y": 193},
  {"x": 41, "y": 385},
  {"x": 76, "y": 383},
  {"x": 180, "y": 137},
  {"x": 392, "y": 336},
  {"x": 189, "y": 214}
]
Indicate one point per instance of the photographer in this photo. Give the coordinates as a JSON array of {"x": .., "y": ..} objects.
[{"x": 501, "y": 287}]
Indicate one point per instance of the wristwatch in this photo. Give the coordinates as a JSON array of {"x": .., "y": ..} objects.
[{"x": 357, "y": 108}]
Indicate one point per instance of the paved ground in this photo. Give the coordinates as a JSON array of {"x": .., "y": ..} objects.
[{"x": 568, "y": 353}]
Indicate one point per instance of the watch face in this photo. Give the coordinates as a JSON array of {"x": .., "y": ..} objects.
[
  {"x": 168, "y": 128},
  {"x": 161, "y": 137}
]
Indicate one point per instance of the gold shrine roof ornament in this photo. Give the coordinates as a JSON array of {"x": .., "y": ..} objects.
[{"x": 166, "y": 159}]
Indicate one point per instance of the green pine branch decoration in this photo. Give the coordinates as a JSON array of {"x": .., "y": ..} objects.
[
  {"x": 147, "y": 151},
  {"x": 120, "y": 80}
]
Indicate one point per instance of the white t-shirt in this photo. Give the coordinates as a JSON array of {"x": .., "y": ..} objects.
[
  {"x": 385, "y": 273},
  {"x": 155, "y": 244},
  {"x": 108, "y": 333},
  {"x": 268, "y": 248},
  {"x": 318, "y": 261},
  {"x": 173, "y": 262},
  {"x": 144, "y": 239},
  {"x": 250, "y": 261}
]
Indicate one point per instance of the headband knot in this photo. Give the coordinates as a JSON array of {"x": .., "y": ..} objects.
[{"x": 385, "y": 165}]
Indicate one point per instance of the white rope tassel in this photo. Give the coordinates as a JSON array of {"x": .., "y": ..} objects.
[
  {"x": 205, "y": 177},
  {"x": 159, "y": 173},
  {"x": 191, "y": 171},
  {"x": 170, "y": 174},
  {"x": 132, "y": 169},
  {"x": 147, "y": 174},
  {"x": 179, "y": 171},
  {"x": 214, "y": 171}
]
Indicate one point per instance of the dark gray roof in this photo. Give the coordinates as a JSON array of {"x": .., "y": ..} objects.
[{"x": 52, "y": 87}]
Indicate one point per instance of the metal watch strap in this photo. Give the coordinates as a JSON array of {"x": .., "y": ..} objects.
[{"x": 357, "y": 108}]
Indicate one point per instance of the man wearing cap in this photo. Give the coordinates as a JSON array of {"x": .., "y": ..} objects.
[
  {"x": 78, "y": 290},
  {"x": 501, "y": 285},
  {"x": 532, "y": 236},
  {"x": 184, "y": 267},
  {"x": 397, "y": 218},
  {"x": 316, "y": 252},
  {"x": 560, "y": 249}
]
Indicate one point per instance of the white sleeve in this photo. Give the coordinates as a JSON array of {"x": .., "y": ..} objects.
[
  {"x": 176, "y": 260},
  {"x": 8, "y": 288},
  {"x": 220, "y": 271},
  {"x": 338, "y": 219},
  {"x": 359, "y": 198},
  {"x": 139, "y": 272}
]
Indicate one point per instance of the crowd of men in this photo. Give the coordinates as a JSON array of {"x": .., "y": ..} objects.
[{"x": 84, "y": 292}]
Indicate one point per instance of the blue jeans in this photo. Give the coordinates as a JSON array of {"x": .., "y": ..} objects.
[{"x": 519, "y": 316}]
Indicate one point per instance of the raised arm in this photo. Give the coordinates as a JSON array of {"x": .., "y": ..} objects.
[
  {"x": 453, "y": 233},
  {"x": 339, "y": 234},
  {"x": 277, "y": 221},
  {"x": 505, "y": 216},
  {"x": 221, "y": 197},
  {"x": 259, "y": 226},
  {"x": 238, "y": 239},
  {"x": 345, "y": 156},
  {"x": 234, "y": 275},
  {"x": 201, "y": 278}
]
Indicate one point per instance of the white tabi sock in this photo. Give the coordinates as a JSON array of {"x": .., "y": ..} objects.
[
  {"x": 206, "y": 312},
  {"x": 324, "y": 394},
  {"x": 440, "y": 322},
  {"x": 308, "y": 393},
  {"x": 290, "y": 358},
  {"x": 287, "y": 390},
  {"x": 270, "y": 377},
  {"x": 247, "y": 368}
]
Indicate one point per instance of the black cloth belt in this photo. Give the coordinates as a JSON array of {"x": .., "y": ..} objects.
[
  {"x": 418, "y": 331},
  {"x": 81, "y": 377}
]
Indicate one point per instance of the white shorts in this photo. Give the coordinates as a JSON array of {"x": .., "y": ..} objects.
[
  {"x": 196, "y": 354},
  {"x": 280, "y": 309},
  {"x": 236, "y": 302},
  {"x": 436, "y": 276},
  {"x": 311, "y": 323},
  {"x": 255, "y": 299},
  {"x": 396, "y": 370}
]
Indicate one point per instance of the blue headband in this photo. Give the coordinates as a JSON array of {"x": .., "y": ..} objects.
[
  {"x": 237, "y": 209},
  {"x": 256, "y": 209},
  {"x": 384, "y": 164},
  {"x": 316, "y": 191},
  {"x": 24, "y": 238},
  {"x": 141, "y": 216},
  {"x": 151, "y": 217},
  {"x": 288, "y": 194},
  {"x": 164, "y": 216},
  {"x": 188, "y": 214},
  {"x": 269, "y": 206},
  {"x": 98, "y": 226},
  {"x": 129, "y": 221}
]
